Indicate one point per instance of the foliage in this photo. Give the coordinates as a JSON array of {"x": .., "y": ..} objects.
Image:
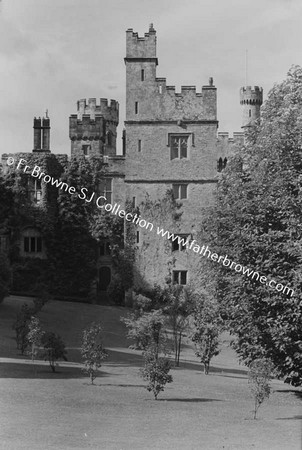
[
  {"x": 207, "y": 328},
  {"x": 42, "y": 297},
  {"x": 5, "y": 275},
  {"x": 260, "y": 374},
  {"x": 92, "y": 350},
  {"x": 34, "y": 337},
  {"x": 54, "y": 349},
  {"x": 257, "y": 222},
  {"x": 21, "y": 327},
  {"x": 148, "y": 331},
  {"x": 156, "y": 372}
]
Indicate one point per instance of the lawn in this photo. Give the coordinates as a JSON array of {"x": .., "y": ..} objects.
[{"x": 40, "y": 410}]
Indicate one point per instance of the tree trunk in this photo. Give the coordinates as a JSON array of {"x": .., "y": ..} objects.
[{"x": 206, "y": 367}]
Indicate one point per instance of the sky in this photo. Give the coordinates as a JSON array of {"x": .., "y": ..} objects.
[{"x": 55, "y": 52}]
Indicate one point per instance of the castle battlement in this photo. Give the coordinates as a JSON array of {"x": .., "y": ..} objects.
[
  {"x": 251, "y": 95},
  {"x": 108, "y": 109},
  {"x": 141, "y": 47}
]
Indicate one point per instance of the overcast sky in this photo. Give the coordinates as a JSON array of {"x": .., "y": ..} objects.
[{"x": 54, "y": 52}]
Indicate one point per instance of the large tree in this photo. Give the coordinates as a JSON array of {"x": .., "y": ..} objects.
[{"x": 257, "y": 222}]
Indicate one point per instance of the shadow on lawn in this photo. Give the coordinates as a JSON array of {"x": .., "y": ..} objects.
[
  {"x": 190, "y": 400},
  {"x": 39, "y": 371},
  {"x": 290, "y": 418}
]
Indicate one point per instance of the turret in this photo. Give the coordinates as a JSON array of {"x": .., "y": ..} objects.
[
  {"x": 251, "y": 99},
  {"x": 93, "y": 129}
]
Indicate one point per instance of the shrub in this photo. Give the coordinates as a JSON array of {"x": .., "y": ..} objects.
[
  {"x": 260, "y": 374},
  {"x": 156, "y": 372},
  {"x": 54, "y": 349},
  {"x": 92, "y": 350},
  {"x": 42, "y": 297}
]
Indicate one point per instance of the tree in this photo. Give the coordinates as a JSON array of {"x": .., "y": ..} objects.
[
  {"x": 257, "y": 223},
  {"x": 21, "y": 327},
  {"x": 34, "y": 337},
  {"x": 207, "y": 329},
  {"x": 92, "y": 350},
  {"x": 260, "y": 374},
  {"x": 54, "y": 349},
  {"x": 156, "y": 372}
]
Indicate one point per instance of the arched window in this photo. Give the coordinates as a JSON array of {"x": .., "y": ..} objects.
[
  {"x": 225, "y": 161},
  {"x": 31, "y": 243}
]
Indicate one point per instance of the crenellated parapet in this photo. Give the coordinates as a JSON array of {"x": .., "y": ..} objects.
[
  {"x": 141, "y": 47},
  {"x": 251, "y": 95},
  {"x": 108, "y": 109}
]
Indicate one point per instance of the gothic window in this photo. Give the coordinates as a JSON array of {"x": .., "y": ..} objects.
[
  {"x": 179, "y": 243},
  {"x": 105, "y": 248},
  {"x": 142, "y": 75},
  {"x": 139, "y": 145},
  {"x": 179, "y": 147},
  {"x": 35, "y": 191},
  {"x": 180, "y": 277},
  {"x": 31, "y": 242},
  {"x": 137, "y": 237},
  {"x": 106, "y": 189},
  {"x": 225, "y": 162},
  {"x": 86, "y": 149},
  {"x": 180, "y": 191},
  {"x": 136, "y": 107},
  {"x": 250, "y": 113}
]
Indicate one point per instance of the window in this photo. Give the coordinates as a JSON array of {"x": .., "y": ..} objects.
[
  {"x": 142, "y": 75},
  {"x": 139, "y": 145},
  {"x": 179, "y": 243},
  {"x": 133, "y": 202},
  {"x": 180, "y": 191},
  {"x": 86, "y": 149},
  {"x": 250, "y": 113},
  {"x": 136, "y": 107},
  {"x": 106, "y": 189},
  {"x": 179, "y": 277},
  {"x": 221, "y": 164},
  {"x": 179, "y": 147},
  {"x": 160, "y": 89},
  {"x": 109, "y": 138},
  {"x": 32, "y": 244},
  {"x": 137, "y": 237},
  {"x": 35, "y": 191},
  {"x": 105, "y": 248}
]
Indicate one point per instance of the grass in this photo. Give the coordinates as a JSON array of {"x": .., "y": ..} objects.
[{"x": 62, "y": 411}]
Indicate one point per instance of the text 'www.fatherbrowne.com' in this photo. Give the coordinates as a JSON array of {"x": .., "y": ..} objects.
[{"x": 191, "y": 244}]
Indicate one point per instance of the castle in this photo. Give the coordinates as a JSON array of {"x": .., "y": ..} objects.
[{"x": 170, "y": 142}]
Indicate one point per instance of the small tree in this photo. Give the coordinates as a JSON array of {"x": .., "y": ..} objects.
[
  {"x": 34, "y": 337},
  {"x": 54, "y": 349},
  {"x": 260, "y": 374},
  {"x": 92, "y": 350},
  {"x": 207, "y": 328},
  {"x": 21, "y": 327},
  {"x": 156, "y": 372}
]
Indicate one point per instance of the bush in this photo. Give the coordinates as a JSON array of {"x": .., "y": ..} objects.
[
  {"x": 34, "y": 337},
  {"x": 54, "y": 349},
  {"x": 260, "y": 374},
  {"x": 42, "y": 297},
  {"x": 92, "y": 350},
  {"x": 156, "y": 372}
]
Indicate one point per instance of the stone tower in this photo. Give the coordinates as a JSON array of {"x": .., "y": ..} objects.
[
  {"x": 251, "y": 99},
  {"x": 93, "y": 129},
  {"x": 170, "y": 146},
  {"x": 42, "y": 134}
]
